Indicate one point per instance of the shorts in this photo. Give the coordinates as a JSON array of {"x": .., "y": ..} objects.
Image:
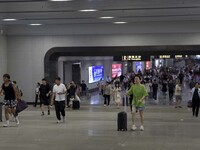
[
  {"x": 10, "y": 103},
  {"x": 134, "y": 108},
  {"x": 45, "y": 102}
]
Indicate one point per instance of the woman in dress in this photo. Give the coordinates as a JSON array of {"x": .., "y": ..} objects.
[{"x": 117, "y": 94}]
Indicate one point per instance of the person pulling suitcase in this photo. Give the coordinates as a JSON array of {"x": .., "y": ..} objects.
[{"x": 139, "y": 93}]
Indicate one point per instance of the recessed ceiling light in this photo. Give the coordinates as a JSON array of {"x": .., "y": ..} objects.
[
  {"x": 35, "y": 24},
  {"x": 60, "y": 0},
  {"x": 120, "y": 22},
  {"x": 9, "y": 19},
  {"x": 106, "y": 17},
  {"x": 88, "y": 10}
]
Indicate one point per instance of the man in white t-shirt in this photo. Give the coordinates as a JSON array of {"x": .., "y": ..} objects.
[{"x": 59, "y": 94}]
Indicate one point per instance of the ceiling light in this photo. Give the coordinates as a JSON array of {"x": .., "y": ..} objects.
[
  {"x": 60, "y": 0},
  {"x": 88, "y": 10},
  {"x": 120, "y": 22},
  {"x": 35, "y": 24},
  {"x": 9, "y": 19},
  {"x": 106, "y": 17}
]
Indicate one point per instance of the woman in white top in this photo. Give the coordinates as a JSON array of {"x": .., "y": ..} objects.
[
  {"x": 117, "y": 94},
  {"x": 178, "y": 96}
]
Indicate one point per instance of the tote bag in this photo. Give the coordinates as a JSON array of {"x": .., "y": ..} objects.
[{"x": 21, "y": 105}]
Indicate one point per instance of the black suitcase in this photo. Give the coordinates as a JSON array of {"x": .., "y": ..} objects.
[
  {"x": 122, "y": 118},
  {"x": 75, "y": 104},
  {"x": 122, "y": 121}
]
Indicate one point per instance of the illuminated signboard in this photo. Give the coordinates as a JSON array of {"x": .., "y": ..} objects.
[
  {"x": 181, "y": 56},
  {"x": 164, "y": 56},
  {"x": 131, "y": 57}
]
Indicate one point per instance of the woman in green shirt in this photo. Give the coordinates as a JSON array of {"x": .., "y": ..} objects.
[{"x": 139, "y": 93}]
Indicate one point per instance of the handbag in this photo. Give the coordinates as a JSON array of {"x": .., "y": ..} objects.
[{"x": 21, "y": 105}]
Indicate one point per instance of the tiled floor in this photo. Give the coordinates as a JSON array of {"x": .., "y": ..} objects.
[{"x": 93, "y": 127}]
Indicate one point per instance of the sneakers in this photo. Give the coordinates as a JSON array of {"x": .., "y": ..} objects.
[
  {"x": 7, "y": 124},
  {"x": 17, "y": 121},
  {"x": 141, "y": 128},
  {"x": 104, "y": 105},
  {"x": 58, "y": 121},
  {"x": 133, "y": 127}
]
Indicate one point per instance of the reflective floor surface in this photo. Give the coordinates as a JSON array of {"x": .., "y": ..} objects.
[{"x": 94, "y": 127}]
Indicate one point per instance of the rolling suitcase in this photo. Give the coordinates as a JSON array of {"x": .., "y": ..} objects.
[
  {"x": 76, "y": 104},
  {"x": 122, "y": 119}
]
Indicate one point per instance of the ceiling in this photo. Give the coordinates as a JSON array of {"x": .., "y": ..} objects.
[{"x": 66, "y": 13}]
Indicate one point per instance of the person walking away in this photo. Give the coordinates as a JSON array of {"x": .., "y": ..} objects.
[
  {"x": 117, "y": 94},
  {"x": 164, "y": 87},
  {"x": 44, "y": 96},
  {"x": 155, "y": 89},
  {"x": 195, "y": 99},
  {"x": 139, "y": 93},
  {"x": 148, "y": 86},
  {"x": 83, "y": 88},
  {"x": 181, "y": 77},
  {"x": 59, "y": 92},
  {"x": 10, "y": 99},
  {"x": 107, "y": 93},
  {"x": 178, "y": 94},
  {"x": 171, "y": 88},
  {"x": 72, "y": 90},
  {"x": 37, "y": 94}
]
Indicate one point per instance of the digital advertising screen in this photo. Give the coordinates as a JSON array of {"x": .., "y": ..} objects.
[
  {"x": 148, "y": 65},
  {"x": 116, "y": 70},
  {"x": 138, "y": 66},
  {"x": 96, "y": 73}
]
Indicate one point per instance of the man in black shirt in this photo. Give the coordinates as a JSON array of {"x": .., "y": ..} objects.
[
  {"x": 44, "y": 95},
  {"x": 83, "y": 88},
  {"x": 155, "y": 89},
  {"x": 171, "y": 90}
]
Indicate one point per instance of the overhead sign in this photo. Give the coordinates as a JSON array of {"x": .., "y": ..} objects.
[
  {"x": 132, "y": 58},
  {"x": 164, "y": 56}
]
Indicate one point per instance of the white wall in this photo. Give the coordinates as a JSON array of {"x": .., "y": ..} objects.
[
  {"x": 3, "y": 56},
  {"x": 26, "y": 53}
]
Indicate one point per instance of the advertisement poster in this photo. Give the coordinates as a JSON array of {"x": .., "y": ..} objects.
[
  {"x": 138, "y": 66},
  {"x": 148, "y": 65},
  {"x": 96, "y": 73},
  {"x": 116, "y": 70}
]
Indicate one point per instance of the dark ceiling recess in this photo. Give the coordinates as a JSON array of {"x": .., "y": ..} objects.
[{"x": 51, "y": 57}]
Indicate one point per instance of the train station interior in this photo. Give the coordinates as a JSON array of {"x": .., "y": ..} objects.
[{"x": 99, "y": 51}]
